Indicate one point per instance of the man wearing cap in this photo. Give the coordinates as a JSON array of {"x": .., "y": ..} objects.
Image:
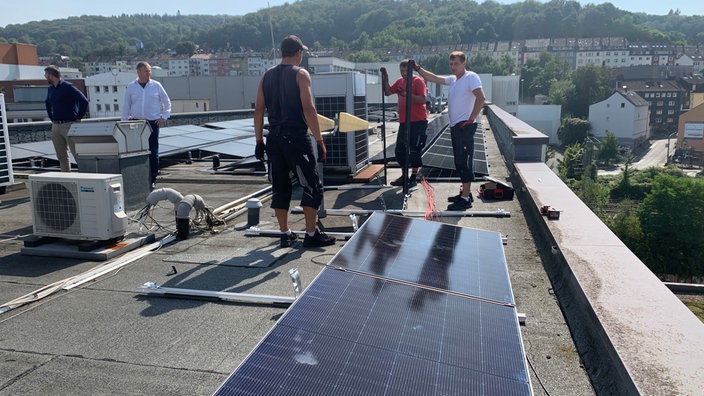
[
  {"x": 284, "y": 93},
  {"x": 65, "y": 104}
]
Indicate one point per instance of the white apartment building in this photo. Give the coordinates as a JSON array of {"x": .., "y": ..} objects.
[
  {"x": 106, "y": 93},
  {"x": 258, "y": 65},
  {"x": 625, "y": 114},
  {"x": 178, "y": 67}
]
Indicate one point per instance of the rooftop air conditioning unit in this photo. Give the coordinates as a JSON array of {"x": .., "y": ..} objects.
[{"x": 85, "y": 206}]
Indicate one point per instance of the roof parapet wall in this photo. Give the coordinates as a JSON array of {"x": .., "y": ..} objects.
[{"x": 633, "y": 334}]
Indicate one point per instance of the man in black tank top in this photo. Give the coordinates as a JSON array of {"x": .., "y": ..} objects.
[{"x": 285, "y": 95}]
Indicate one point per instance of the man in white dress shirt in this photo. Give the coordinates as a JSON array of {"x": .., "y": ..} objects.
[{"x": 146, "y": 99}]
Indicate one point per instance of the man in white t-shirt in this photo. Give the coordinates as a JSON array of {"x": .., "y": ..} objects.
[{"x": 465, "y": 100}]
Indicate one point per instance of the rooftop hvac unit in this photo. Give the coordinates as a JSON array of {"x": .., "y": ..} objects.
[{"x": 85, "y": 206}]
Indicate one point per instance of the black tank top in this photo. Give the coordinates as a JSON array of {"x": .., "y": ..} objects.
[{"x": 283, "y": 98}]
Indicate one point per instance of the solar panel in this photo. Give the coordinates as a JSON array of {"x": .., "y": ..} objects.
[
  {"x": 236, "y": 148},
  {"x": 358, "y": 330},
  {"x": 235, "y": 124},
  {"x": 439, "y": 155},
  {"x": 426, "y": 253},
  {"x": 435, "y": 127}
]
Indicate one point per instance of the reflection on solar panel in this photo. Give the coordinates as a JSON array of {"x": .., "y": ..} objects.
[
  {"x": 436, "y": 319},
  {"x": 439, "y": 155}
]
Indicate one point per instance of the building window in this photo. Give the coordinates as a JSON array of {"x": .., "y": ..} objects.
[
  {"x": 660, "y": 103},
  {"x": 674, "y": 94},
  {"x": 671, "y": 103},
  {"x": 658, "y": 112},
  {"x": 623, "y": 106},
  {"x": 114, "y": 88},
  {"x": 97, "y": 89},
  {"x": 106, "y": 89},
  {"x": 116, "y": 106},
  {"x": 670, "y": 112},
  {"x": 99, "y": 107}
]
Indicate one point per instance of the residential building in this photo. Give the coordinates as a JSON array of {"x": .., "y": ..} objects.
[
  {"x": 694, "y": 85},
  {"x": 106, "y": 93},
  {"x": 690, "y": 136},
  {"x": 19, "y": 62},
  {"x": 666, "y": 99},
  {"x": 625, "y": 114},
  {"x": 257, "y": 65}
]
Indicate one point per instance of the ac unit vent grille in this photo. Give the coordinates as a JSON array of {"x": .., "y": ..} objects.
[{"x": 57, "y": 208}]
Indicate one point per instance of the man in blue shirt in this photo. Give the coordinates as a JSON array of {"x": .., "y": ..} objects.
[
  {"x": 146, "y": 99},
  {"x": 65, "y": 104}
]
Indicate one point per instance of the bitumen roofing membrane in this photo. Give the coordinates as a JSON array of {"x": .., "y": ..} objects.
[{"x": 106, "y": 337}]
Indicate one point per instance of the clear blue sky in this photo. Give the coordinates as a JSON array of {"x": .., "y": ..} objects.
[{"x": 22, "y": 11}]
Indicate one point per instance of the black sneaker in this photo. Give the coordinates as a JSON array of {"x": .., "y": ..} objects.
[
  {"x": 457, "y": 197},
  {"x": 318, "y": 240},
  {"x": 398, "y": 182},
  {"x": 288, "y": 239},
  {"x": 460, "y": 205}
]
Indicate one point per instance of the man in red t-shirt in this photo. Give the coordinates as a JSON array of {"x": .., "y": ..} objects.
[{"x": 419, "y": 122}]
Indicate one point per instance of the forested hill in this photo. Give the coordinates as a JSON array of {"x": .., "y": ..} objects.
[{"x": 354, "y": 25}]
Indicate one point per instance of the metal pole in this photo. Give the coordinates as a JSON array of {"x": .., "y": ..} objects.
[
  {"x": 383, "y": 117},
  {"x": 153, "y": 288}
]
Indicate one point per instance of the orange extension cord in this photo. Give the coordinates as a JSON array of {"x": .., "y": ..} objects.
[{"x": 431, "y": 211}]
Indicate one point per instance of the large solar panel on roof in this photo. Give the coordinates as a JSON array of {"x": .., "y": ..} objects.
[
  {"x": 435, "y": 127},
  {"x": 360, "y": 330},
  {"x": 450, "y": 258},
  {"x": 439, "y": 155},
  {"x": 174, "y": 140}
]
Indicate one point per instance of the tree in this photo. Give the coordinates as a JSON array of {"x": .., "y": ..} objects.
[
  {"x": 670, "y": 217},
  {"x": 185, "y": 48},
  {"x": 571, "y": 164},
  {"x": 364, "y": 56},
  {"x": 626, "y": 225},
  {"x": 593, "y": 194},
  {"x": 592, "y": 84},
  {"x": 560, "y": 93},
  {"x": 609, "y": 148},
  {"x": 573, "y": 130}
]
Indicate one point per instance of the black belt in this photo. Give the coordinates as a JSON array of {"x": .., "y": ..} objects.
[{"x": 63, "y": 122}]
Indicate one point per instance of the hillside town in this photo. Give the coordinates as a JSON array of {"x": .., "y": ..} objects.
[{"x": 655, "y": 84}]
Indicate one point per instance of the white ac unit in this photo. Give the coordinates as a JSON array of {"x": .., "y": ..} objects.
[{"x": 86, "y": 206}]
